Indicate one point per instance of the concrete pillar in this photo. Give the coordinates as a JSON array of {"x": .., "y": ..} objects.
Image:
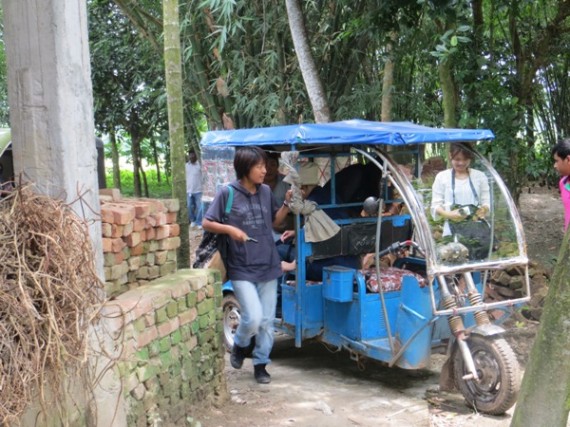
[
  {"x": 51, "y": 116},
  {"x": 50, "y": 98}
]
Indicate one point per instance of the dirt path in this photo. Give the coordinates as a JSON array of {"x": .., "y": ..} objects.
[
  {"x": 313, "y": 387},
  {"x": 542, "y": 215}
]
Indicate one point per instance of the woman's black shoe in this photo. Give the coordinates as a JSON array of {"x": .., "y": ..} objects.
[
  {"x": 237, "y": 356},
  {"x": 261, "y": 375}
]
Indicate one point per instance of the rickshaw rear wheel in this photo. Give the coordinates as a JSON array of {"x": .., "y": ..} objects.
[
  {"x": 498, "y": 371},
  {"x": 232, "y": 317}
]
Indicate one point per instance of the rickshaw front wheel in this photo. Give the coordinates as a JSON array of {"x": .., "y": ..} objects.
[
  {"x": 232, "y": 317},
  {"x": 498, "y": 371}
]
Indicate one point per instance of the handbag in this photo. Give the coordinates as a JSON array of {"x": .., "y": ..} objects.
[
  {"x": 212, "y": 242},
  {"x": 475, "y": 235}
]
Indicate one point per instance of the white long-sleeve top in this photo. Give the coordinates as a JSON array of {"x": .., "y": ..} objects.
[{"x": 442, "y": 192}]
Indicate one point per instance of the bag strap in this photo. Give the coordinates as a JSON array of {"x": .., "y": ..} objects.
[
  {"x": 229, "y": 203},
  {"x": 230, "y": 200},
  {"x": 470, "y": 184}
]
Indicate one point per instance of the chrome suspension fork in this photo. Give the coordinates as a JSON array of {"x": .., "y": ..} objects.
[
  {"x": 457, "y": 328},
  {"x": 475, "y": 298}
]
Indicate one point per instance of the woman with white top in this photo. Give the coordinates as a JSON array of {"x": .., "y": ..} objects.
[{"x": 459, "y": 187}]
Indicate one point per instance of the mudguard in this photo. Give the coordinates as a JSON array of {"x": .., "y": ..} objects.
[{"x": 487, "y": 330}]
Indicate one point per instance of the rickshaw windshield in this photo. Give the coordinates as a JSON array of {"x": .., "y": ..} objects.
[{"x": 485, "y": 228}]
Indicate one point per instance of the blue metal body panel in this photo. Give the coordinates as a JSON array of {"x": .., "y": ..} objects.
[
  {"x": 361, "y": 318},
  {"x": 414, "y": 323},
  {"x": 227, "y": 287},
  {"x": 312, "y": 316},
  {"x": 338, "y": 283}
]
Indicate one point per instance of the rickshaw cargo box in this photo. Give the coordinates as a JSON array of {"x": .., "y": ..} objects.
[{"x": 338, "y": 283}]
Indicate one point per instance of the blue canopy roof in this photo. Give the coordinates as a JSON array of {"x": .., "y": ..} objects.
[{"x": 344, "y": 132}]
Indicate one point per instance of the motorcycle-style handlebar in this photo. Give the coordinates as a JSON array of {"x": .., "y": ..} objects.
[{"x": 396, "y": 247}]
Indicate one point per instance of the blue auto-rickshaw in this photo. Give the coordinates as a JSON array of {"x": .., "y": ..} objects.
[{"x": 430, "y": 297}]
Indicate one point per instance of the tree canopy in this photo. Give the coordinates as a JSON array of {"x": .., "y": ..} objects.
[{"x": 498, "y": 64}]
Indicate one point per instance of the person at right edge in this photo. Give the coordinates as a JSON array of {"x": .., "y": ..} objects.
[
  {"x": 561, "y": 154},
  {"x": 253, "y": 264}
]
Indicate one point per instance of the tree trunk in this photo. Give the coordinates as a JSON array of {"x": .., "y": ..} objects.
[
  {"x": 156, "y": 160},
  {"x": 545, "y": 389},
  {"x": 133, "y": 12},
  {"x": 136, "y": 154},
  {"x": 144, "y": 181},
  {"x": 449, "y": 95},
  {"x": 173, "y": 75},
  {"x": 388, "y": 82},
  {"x": 307, "y": 65},
  {"x": 115, "y": 159}
]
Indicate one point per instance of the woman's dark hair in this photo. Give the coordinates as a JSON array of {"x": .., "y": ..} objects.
[
  {"x": 562, "y": 149},
  {"x": 455, "y": 149},
  {"x": 246, "y": 158}
]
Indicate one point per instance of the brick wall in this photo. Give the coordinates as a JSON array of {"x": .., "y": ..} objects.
[
  {"x": 172, "y": 356},
  {"x": 140, "y": 239},
  {"x": 163, "y": 327}
]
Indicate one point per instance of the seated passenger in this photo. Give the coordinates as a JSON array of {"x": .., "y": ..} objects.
[
  {"x": 353, "y": 185},
  {"x": 275, "y": 179},
  {"x": 309, "y": 174},
  {"x": 279, "y": 188}
]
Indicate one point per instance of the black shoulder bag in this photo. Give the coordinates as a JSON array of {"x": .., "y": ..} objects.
[{"x": 212, "y": 241}]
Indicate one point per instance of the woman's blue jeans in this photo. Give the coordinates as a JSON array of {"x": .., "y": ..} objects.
[{"x": 257, "y": 301}]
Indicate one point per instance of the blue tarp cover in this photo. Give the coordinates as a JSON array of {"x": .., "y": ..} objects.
[{"x": 344, "y": 132}]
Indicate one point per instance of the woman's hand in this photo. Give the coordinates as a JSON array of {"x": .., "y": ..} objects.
[
  {"x": 237, "y": 234},
  {"x": 455, "y": 215},
  {"x": 287, "y": 234},
  {"x": 482, "y": 212},
  {"x": 368, "y": 261}
]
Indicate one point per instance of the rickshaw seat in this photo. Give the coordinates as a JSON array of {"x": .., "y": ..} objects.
[{"x": 390, "y": 278}]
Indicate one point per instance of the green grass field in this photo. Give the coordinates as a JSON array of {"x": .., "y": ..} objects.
[{"x": 156, "y": 190}]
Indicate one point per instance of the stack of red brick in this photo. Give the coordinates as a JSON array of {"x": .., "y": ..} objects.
[{"x": 140, "y": 239}]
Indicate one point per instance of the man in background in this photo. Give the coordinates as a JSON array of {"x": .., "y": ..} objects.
[
  {"x": 278, "y": 187},
  {"x": 194, "y": 189},
  {"x": 561, "y": 154},
  {"x": 273, "y": 178}
]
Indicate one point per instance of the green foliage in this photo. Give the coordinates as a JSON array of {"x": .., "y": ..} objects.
[
  {"x": 508, "y": 62},
  {"x": 156, "y": 190},
  {"x": 128, "y": 78}
]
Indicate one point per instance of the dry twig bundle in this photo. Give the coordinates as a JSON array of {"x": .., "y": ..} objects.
[{"x": 49, "y": 293}]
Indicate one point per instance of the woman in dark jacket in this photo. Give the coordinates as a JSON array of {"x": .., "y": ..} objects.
[{"x": 253, "y": 264}]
